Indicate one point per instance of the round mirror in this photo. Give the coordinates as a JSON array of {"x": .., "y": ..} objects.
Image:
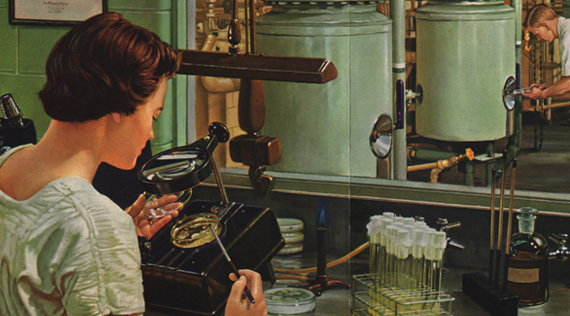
[
  {"x": 381, "y": 136},
  {"x": 508, "y": 95},
  {"x": 175, "y": 170}
]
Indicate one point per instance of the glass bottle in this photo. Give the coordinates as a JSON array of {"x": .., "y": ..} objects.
[{"x": 528, "y": 261}]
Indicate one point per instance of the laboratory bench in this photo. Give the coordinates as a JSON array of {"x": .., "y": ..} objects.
[
  {"x": 343, "y": 238},
  {"x": 338, "y": 301}
]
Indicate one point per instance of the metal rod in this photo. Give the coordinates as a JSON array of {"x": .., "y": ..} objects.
[
  {"x": 509, "y": 226},
  {"x": 500, "y": 225},
  {"x": 399, "y": 147},
  {"x": 492, "y": 228},
  {"x": 251, "y": 26},
  {"x": 234, "y": 33},
  {"x": 555, "y": 105},
  {"x": 219, "y": 181},
  {"x": 430, "y": 165},
  {"x": 511, "y": 200},
  {"x": 236, "y": 271}
]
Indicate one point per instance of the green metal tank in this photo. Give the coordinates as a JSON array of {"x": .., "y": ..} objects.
[
  {"x": 465, "y": 53},
  {"x": 325, "y": 128}
]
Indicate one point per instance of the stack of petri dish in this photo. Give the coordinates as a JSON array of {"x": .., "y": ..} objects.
[{"x": 292, "y": 232}]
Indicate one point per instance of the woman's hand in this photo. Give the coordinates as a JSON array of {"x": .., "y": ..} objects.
[
  {"x": 145, "y": 226},
  {"x": 238, "y": 304}
]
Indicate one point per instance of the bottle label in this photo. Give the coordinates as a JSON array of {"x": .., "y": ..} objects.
[{"x": 524, "y": 275}]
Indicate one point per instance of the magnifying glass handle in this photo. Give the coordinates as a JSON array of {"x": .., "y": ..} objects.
[
  {"x": 236, "y": 271},
  {"x": 520, "y": 91}
]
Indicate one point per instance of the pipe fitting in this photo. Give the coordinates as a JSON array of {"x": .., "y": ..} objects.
[
  {"x": 217, "y": 84},
  {"x": 441, "y": 164}
]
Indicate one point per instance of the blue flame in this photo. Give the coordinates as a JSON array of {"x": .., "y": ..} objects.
[{"x": 323, "y": 214}]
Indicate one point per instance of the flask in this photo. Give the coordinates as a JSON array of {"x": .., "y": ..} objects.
[{"x": 528, "y": 261}]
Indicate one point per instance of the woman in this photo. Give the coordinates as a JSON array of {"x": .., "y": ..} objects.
[{"x": 65, "y": 249}]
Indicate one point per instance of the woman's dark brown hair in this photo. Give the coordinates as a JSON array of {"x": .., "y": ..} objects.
[{"x": 104, "y": 65}]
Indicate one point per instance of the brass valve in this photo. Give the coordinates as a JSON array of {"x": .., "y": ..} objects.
[{"x": 527, "y": 45}]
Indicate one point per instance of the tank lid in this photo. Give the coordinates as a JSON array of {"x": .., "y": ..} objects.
[
  {"x": 282, "y": 2},
  {"x": 465, "y": 10},
  {"x": 468, "y": 3}
]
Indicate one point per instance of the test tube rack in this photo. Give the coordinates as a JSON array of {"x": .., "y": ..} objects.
[{"x": 392, "y": 295}]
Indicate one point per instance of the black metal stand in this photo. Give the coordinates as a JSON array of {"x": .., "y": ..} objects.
[{"x": 321, "y": 282}]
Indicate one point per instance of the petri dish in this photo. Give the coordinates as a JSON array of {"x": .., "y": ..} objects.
[
  {"x": 290, "y": 225},
  {"x": 292, "y": 233},
  {"x": 192, "y": 231},
  {"x": 286, "y": 301}
]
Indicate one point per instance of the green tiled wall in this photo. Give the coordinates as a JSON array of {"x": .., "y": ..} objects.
[{"x": 25, "y": 50}]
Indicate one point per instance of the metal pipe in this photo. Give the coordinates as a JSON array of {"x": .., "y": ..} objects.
[
  {"x": 217, "y": 84},
  {"x": 492, "y": 228},
  {"x": 426, "y": 166},
  {"x": 511, "y": 201},
  {"x": 438, "y": 166},
  {"x": 515, "y": 139},
  {"x": 234, "y": 32},
  {"x": 219, "y": 181},
  {"x": 509, "y": 226},
  {"x": 434, "y": 174},
  {"x": 251, "y": 28},
  {"x": 444, "y": 163},
  {"x": 500, "y": 225},
  {"x": 554, "y": 106},
  {"x": 428, "y": 154},
  {"x": 517, "y": 5},
  {"x": 513, "y": 117},
  {"x": 398, "y": 16}
]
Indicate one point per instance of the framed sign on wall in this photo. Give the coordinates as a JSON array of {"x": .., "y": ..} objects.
[{"x": 53, "y": 12}]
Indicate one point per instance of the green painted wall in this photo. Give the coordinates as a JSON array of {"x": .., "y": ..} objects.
[{"x": 25, "y": 49}]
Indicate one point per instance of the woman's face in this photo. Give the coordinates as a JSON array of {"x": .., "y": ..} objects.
[{"x": 130, "y": 133}]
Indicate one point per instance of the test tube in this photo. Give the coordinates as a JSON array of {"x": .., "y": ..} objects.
[
  {"x": 390, "y": 249},
  {"x": 417, "y": 250},
  {"x": 434, "y": 257},
  {"x": 383, "y": 240},
  {"x": 403, "y": 257},
  {"x": 373, "y": 235},
  {"x": 428, "y": 258},
  {"x": 374, "y": 238},
  {"x": 440, "y": 242}
]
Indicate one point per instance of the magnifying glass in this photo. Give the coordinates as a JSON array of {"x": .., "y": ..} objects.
[{"x": 178, "y": 170}]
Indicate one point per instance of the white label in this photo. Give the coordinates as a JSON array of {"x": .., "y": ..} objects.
[{"x": 524, "y": 275}]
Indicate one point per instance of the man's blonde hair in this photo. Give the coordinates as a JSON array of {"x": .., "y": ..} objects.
[{"x": 538, "y": 14}]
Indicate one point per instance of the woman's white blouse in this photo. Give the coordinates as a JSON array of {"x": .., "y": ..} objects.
[{"x": 68, "y": 250}]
